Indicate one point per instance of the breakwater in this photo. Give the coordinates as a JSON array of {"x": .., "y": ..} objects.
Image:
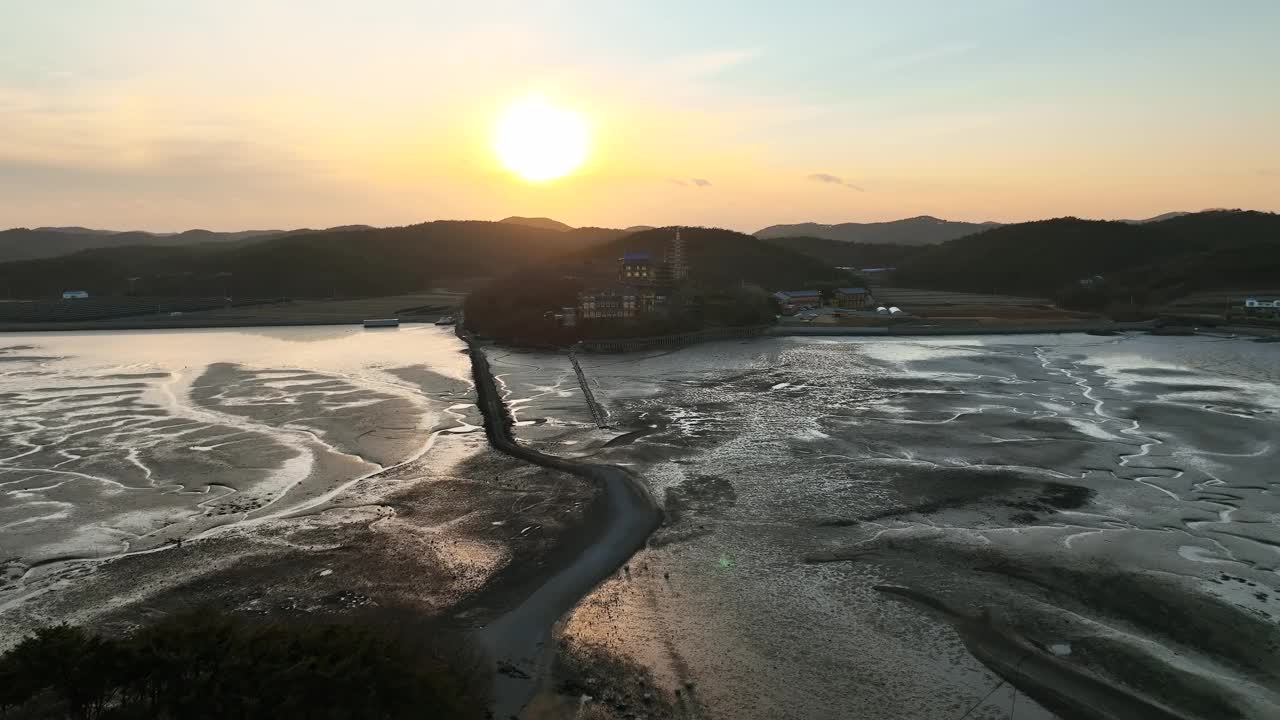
[
  {"x": 519, "y": 639},
  {"x": 598, "y": 412}
]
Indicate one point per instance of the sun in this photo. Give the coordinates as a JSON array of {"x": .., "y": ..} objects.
[{"x": 539, "y": 141}]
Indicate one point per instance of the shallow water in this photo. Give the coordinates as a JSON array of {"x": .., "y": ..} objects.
[
  {"x": 1111, "y": 501},
  {"x": 114, "y": 442}
]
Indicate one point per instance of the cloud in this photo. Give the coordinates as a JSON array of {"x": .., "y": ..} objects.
[
  {"x": 1269, "y": 172},
  {"x": 834, "y": 180},
  {"x": 696, "y": 182}
]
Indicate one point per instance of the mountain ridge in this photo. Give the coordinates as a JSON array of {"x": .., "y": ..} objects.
[
  {"x": 544, "y": 223},
  {"x": 1105, "y": 260},
  {"x": 50, "y": 242},
  {"x": 920, "y": 230},
  {"x": 354, "y": 262}
]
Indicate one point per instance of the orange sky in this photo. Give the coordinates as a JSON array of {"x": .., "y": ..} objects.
[{"x": 233, "y": 115}]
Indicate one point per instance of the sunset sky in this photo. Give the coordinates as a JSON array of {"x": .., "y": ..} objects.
[{"x": 236, "y": 114}]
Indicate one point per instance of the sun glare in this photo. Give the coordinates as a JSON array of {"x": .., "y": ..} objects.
[{"x": 539, "y": 141}]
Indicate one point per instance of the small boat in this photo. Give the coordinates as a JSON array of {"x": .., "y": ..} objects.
[
  {"x": 446, "y": 320},
  {"x": 382, "y": 323}
]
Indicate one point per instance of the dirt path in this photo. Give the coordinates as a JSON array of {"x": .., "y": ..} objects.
[{"x": 518, "y": 641}]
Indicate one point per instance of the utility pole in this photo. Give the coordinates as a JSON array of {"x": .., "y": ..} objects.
[{"x": 225, "y": 295}]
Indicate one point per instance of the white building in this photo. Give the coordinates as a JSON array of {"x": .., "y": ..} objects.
[
  {"x": 1265, "y": 308},
  {"x": 624, "y": 302}
]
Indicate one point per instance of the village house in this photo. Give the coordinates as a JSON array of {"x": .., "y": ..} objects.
[
  {"x": 798, "y": 298},
  {"x": 620, "y": 302},
  {"x": 1262, "y": 308},
  {"x": 852, "y": 298}
]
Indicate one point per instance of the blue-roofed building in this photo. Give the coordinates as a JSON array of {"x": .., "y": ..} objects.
[
  {"x": 635, "y": 267},
  {"x": 854, "y": 298},
  {"x": 798, "y": 297}
]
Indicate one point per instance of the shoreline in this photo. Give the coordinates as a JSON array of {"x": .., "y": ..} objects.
[
  {"x": 193, "y": 324},
  {"x": 975, "y": 329},
  {"x": 518, "y": 640},
  {"x": 604, "y": 345}
]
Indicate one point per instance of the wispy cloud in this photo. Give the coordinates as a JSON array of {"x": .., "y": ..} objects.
[
  {"x": 695, "y": 182},
  {"x": 1269, "y": 172},
  {"x": 834, "y": 180}
]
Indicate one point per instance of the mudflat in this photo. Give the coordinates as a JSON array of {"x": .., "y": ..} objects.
[
  {"x": 1071, "y": 526},
  {"x": 1035, "y": 526}
]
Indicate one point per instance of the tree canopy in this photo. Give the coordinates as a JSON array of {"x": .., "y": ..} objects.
[{"x": 208, "y": 665}]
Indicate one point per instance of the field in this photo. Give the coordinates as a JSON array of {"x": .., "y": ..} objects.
[
  {"x": 119, "y": 313},
  {"x": 931, "y": 306},
  {"x": 911, "y": 299},
  {"x": 421, "y": 306},
  {"x": 1216, "y": 303}
]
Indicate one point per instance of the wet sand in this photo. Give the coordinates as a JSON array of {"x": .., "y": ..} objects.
[
  {"x": 316, "y": 473},
  {"x": 892, "y": 526},
  {"x": 1033, "y": 527},
  {"x": 381, "y": 495}
]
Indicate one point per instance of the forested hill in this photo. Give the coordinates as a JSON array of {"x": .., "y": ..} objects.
[
  {"x": 923, "y": 230},
  {"x": 842, "y": 253},
  {"x": 27, "y": 244},
  {"x": 48, "y": 242},
  {"x": 364, "y": 261},
  {"x": 721, "y": 258},
  {"x": 729, "y": 273},
  {"x": 538, "y": 222},
  {"x": 1158, "y": 260}
]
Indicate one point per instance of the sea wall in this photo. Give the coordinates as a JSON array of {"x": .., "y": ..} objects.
[{"x": 518, "y": 641}]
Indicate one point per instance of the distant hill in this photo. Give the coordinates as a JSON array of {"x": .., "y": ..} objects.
[
  {"x": 538, "y": 222},
  {"x": 841, "y": 253},
  {"x": 1153, "y": 262},
  {"x": 923, "y": 230},
  {"x": 727, "y": 270},
  {"x": 719, "y": 257},
  {"x": 24, "y": 244},
  {"x": 1157, "y": 218},
  {"x": 48, "y": 242},
  {"x": 77, "y": 230},
  {"x": 369, "y": 261},
  {"x": 639, "y": 228}
]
